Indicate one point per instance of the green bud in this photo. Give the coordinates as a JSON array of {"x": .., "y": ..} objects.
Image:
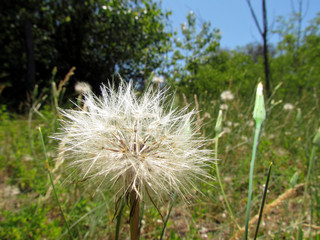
[
  {"x": 218, "y": 127},
  {"x": 259, "y": 111},
  {"x": 54, "y": 90},
  {"x": 54, "y": 71},
  {"x": 316, "y": 139},
  {"x": 298, "y": 117}
]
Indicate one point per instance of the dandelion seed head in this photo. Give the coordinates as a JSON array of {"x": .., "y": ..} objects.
[
  {"x": 227, "y": 95},
  {"x": 288, "y": 107},
  {"x": 224, "y": 107},
  {"x": 157, "y": 79},
  {"x": 82, "y": 87},
  {"x": 126, "y": 143},
  {"x": 227, "y": 130}
]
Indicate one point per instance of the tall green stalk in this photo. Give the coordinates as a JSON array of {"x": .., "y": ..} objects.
[
  {"x": 168, "y": 216},
  {"x": 52, "y": 183},
  {"x": 254, "y": 150},
  {"x": 259, "y": 115},
  {"x": 218, "y": 130},
  {"x": 315, "y": 145}
]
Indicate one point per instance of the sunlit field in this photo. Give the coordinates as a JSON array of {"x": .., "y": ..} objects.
[
  {"x": 117, "y": 124},
  {"x": 287, "y": 139}
]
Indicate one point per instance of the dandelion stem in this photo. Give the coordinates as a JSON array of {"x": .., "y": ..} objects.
[
  {"x": 134, "y": 216},
  {"x": 220, "y": 184},
  {"x": 306, "y": 187},
  {"x": 52, "y": 183},
  {"x": 254, "y": 150}
]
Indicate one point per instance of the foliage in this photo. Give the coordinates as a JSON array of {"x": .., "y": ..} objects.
[
  {"x": 297, "y": 68},
  {"x": 198, "y": 70},
  {"x": 199, "y": 66},
  {"x": 100, "y": 38}
]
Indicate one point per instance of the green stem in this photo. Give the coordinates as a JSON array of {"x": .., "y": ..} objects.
[
  {"x": 254, "y": 150},
  {"x": 119, "y": 219},
  {"x": 52, "y": 183},
  {"x": 220, "y": 183},
  {"x": 306, "y": 187},
  {"x": 166, "y": 221}
]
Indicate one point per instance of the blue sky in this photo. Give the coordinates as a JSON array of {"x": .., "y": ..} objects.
[{"x": 234, "y": 19}]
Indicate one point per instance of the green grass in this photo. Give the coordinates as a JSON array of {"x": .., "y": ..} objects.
[{"x": 24, "y": 182}]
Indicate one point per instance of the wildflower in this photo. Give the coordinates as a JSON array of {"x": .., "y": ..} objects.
[
  {"x": 229, "y": 123},
  {"x": 224, "y": 106},
  {"x": 227, "y": 95},
  {"x": 227, "y": 130},
  {"x": 218, "y": 127},
  {"x": 259, "y": 111},
  {"x": 298, "y": 116},
  {"x": 134, "y": 145},
  {"x": 250, "y": 123},
  {"x": 236, "y": 124},
  {"x": 157, "y": 80},
  {"x": 206, "y": 115},
  {"x": 288, "y": 107},
  {"x": 316, "y": 139},
  {"x": 82, "y": 87}
]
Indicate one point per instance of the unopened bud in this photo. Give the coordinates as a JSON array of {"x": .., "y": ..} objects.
[
  {"x": 218, "y": 127},
  {"x": 298, "y": 117},
  {"x": 316, "y": 139},
  {"x": 259, "y": 111}
]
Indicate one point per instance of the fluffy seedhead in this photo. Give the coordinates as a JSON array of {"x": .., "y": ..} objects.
[{"x": 127, "y": 144}]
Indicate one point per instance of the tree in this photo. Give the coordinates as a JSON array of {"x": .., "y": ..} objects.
[
  {"x": 100, "y": 38},
  {"x": 296, "y": 67},
  {"x": 192, "y": 52},
  {"x": 264, "y": 34}
]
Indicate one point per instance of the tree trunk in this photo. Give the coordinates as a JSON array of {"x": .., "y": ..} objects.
[
  {"x": 265, "y": 49},
  {"x": 31, "y": 66}
]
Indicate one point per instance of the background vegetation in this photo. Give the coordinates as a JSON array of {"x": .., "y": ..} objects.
[{"x": 42, "y": 40}]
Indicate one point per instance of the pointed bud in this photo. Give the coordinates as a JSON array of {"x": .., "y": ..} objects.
[
  {"x": 218, "y": 127},
  {"x": 298, "y": 117},
  {"x": 259, "y": 112},
  {"x": 316, "y": 139}
]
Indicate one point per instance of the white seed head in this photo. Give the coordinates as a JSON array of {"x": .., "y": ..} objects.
[
  {"x": 126, "y": 143},
  {"x": 157, "y": 79},
  {"x": 224, "y": 107},
  {"x": 82, "y": 87},
  {"x": 288, "y": 107},
  {"x": 227, "y": 95}
]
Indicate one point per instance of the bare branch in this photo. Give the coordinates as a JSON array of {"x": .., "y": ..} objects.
[{"x": 254, "y": 17}]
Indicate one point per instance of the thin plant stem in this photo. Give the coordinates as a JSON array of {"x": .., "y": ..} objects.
[
  {"x": 52, "y": 183},
  {"x": 168, "y": 216},
  {"x": 220, "y": 183},
  {"x": 254, "y": 150},
  {"x": 119, "y": 219},
  {"x": 306, "y": 187},
  {"x": 141, "y": 215},
  {"x": 134, "y": 216},
  {"x": 263, "y": 201}
]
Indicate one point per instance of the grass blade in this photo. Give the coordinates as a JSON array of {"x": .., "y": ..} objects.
[
  {"x": 52, "y": 183},
  {"x": 167, "y": 219},
  {"x": 119, "y": 219},
  {"x": 263, "y": 201}
]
